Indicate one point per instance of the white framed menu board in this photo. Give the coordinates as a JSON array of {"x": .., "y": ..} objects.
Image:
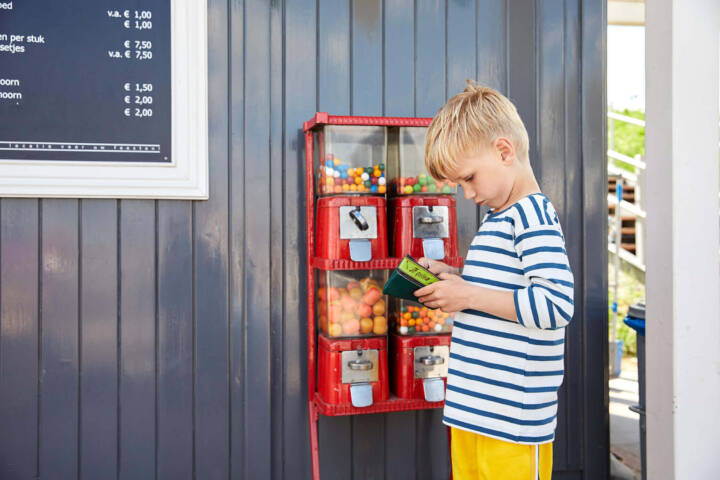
[{"x": 104, "y": 98}]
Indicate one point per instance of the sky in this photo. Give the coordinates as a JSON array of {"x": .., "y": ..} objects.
[{"x": 626, "y": 67}]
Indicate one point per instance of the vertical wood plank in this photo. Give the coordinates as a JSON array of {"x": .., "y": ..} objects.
[
  {"x": 572, "y": 227},
  {"x": 236, "y": 180},
  {"x": 257, "y": 243},
  {"x": 277, "y": 225},
  {"x": 18, "y": 338},
  {"x": 210, "y": 289},
  {"x": 333, "y": 50},
  {"x": 430, "y": 51},
  {"x": 399, "y": 75},
  {"x": 551, "y": 143},
  {"x": 137, "y": 339},
  {"x": 594, "y": 284},
  {"x": 300, "y": 103},
  {"x": 174, "y": 341},
  {"x": 399, "y": 54},
  {"x": 59, "y": 350},
  {"x": 99, "y": 362},
  {"x": 492, "y": 44},
  {"x": 522, "y": 71},
  {"x": 367, "y": 48}
]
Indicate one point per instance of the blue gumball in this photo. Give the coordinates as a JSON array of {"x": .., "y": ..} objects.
[
  {"x": 329, "y": 163},
  {"x": 373, "y": 189}
]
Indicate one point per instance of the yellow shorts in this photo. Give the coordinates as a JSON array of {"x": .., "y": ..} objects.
[{"x": 476, "y": 456}]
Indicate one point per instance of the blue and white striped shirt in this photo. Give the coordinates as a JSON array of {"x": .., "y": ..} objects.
[{"x": 503, "y": 376}]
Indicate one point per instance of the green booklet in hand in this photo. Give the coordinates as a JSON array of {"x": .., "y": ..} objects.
[{"x": 408, "y": 277}]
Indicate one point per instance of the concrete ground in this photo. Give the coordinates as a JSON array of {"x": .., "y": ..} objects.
[{"x": 624, "y": 424}]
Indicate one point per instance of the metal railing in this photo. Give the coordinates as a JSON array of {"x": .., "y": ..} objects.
[
  {"x": 637, "y": 209},
  {"x": 635, "y": 260}
]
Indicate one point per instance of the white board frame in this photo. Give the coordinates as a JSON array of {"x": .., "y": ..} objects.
[{"x": 185, "y": 177}]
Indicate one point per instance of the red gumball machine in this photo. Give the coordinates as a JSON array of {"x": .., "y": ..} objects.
[
  {"x": 347, "y": 265},
  {"x": 352, "y": 345},
  {"x": 420, "y": 366},
  {"x": 423, "y": 223}
]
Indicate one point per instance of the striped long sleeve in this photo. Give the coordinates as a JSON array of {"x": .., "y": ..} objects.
[
  {"x": 503, "y": 375},
  {"x": 548, "y": 301}
]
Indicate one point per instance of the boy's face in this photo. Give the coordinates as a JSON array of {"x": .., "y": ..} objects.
[{"x": 487, "y": 177}]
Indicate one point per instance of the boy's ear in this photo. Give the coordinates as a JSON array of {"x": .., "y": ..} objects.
[{"x": 505, "y": 149}]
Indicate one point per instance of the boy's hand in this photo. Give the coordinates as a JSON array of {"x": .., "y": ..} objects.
[
  {"x": 435, "y": 266},
  {"x": 451, "y": 294}
]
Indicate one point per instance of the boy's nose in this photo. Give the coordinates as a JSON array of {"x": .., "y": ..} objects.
[{"x": 468, "y": 193}]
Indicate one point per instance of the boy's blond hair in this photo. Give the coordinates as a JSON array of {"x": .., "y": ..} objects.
[{"x": 468, "y": 123}]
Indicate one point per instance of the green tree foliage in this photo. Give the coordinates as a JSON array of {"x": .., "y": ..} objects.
[{"x": 629, "y": 139}]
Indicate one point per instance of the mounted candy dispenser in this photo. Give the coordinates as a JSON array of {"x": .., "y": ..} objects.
[
  {"x": 406, "y": 164},
  {"x": 420, "y": 366},
  {"x": 353, "y": 372},
  {"x": 423, "y": 226},
  {"x": 351, "y": 228},
  {"x": 350, "y": 303},
  {"x": 350, "y": 160},
  {"x": 347, "y": 266}
]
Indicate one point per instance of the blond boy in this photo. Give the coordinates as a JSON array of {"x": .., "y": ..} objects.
[{"x": 514, "y": 297}]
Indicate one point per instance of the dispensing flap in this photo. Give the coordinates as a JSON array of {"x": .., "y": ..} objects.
[
  {"x": 361, "y": 394},
  {"x": 433, "y": 248},
  {"x": 360, "y": 250},
  {"x": 434, "y": 389}
]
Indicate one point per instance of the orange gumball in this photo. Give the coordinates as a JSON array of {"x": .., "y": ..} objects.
[
  {"x": 334, "y": 330},
  {"x": 348, "y": 303},
  {"x": 351, "y": 327},
  {"x": 334, "y": 311},
  {"x": 372, "y": 295},
  {"x": 366, "y": 325},
  {"x": 364, "y": 310},
  {"x": 379, "y": 325},
  {"x": 379, "y": 307}
]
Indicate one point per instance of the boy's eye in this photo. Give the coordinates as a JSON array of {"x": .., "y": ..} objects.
[{"x": 469, "y": 179}]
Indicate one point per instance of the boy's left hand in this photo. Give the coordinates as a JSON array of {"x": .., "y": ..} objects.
[{"x": 450, "y": 294}]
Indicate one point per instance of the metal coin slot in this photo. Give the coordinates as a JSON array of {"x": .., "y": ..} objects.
[
  {"x": 359, "y": 363},
  {"x": 431, "y": 361},
  {"x": 358, "y": 218},
  {"x": 358, "y": 222},
  {"x": 359, "y": 366},
  {"x": 430, "y": 221}
]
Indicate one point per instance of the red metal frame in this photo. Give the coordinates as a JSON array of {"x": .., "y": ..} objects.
[{"x": 316, "y": 405}]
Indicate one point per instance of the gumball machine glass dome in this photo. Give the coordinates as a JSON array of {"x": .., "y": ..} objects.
[
  {"x": 410, "y": 318},
  {"x": 350, "y": 303},
  {"x": 350, "y": 159},
  {"x": 407, "y": 174}
]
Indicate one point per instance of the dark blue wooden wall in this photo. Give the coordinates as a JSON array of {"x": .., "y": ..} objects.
[{"x": 166, "y": 339}]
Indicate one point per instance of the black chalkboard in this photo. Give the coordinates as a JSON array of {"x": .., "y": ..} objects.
[{"x": 85, "y": 80}]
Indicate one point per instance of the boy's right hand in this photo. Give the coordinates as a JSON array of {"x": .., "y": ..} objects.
[{"x": 435, "y": 266}]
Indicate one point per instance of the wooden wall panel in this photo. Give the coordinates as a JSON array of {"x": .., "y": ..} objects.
[{"x": 166, "y": 339}]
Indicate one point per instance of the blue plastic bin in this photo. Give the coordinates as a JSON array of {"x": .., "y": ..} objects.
[{"x": 635, "y": 319}]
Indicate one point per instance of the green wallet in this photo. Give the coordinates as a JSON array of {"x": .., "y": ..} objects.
[{"x": 408, "y": 277}]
